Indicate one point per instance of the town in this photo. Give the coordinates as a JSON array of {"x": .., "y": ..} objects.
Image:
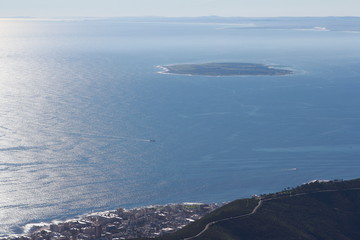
[{"x": 120, "y": 224}]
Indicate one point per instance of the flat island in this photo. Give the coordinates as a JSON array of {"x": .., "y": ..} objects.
[{"x": 225, "y": 69}]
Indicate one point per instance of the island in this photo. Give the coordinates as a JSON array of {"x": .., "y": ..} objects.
[{"x": 225, "y": 69}]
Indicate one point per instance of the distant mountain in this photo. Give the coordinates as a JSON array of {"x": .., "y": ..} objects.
[
  {"x": 314, "y": 211},
  {"x": 350, "y": 24}
]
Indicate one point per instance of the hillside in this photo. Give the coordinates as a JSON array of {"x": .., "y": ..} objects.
[{"x": 318, "y": 210}]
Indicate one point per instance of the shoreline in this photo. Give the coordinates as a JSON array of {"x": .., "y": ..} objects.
[
  {"x": 139, "y": 222},
  {"x": 153, "y": 220}
]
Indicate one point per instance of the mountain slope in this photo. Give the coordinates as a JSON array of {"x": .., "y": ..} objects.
[{"x": 315, "y": 211}]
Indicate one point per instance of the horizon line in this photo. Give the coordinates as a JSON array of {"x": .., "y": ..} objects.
[{"x": 154, "y": 16}]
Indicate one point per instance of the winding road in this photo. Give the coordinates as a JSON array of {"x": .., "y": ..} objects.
[
  {"x": 257, "y": 207},
  {"x": 226, "y": 219}
]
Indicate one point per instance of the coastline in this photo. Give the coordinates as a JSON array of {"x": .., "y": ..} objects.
[{"x": 152, "y": 220}]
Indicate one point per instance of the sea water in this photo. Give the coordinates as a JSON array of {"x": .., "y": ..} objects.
[{"x": 80, "y": 102}]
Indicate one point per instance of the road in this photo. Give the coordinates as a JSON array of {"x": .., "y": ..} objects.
[
  {"x": 257, "y": 207},
  {"x": 226, "y": 219}
]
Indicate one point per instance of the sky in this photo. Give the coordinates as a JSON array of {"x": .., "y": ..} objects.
[{"x": 178, "y": 8}]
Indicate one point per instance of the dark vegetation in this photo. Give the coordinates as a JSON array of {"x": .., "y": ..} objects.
[{"x": 314, "y": 211}]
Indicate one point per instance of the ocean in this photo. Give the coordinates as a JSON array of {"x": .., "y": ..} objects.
[{"x": 82, "y": 100}]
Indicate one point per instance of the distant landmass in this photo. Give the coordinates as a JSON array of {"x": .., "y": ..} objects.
[
  {"x": 225, "y": 69},
  {"x": 318, "y": 210}
]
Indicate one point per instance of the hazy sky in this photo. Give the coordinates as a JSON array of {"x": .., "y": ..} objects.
[{"x": 174, "y": 8}]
